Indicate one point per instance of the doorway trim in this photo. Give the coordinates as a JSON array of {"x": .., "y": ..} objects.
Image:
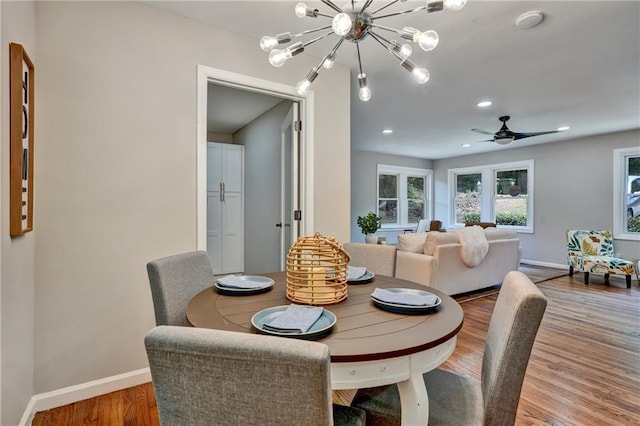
[{"x": 206, "y": 75}]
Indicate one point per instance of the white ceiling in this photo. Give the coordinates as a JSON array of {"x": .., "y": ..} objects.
[{"x": 580, "y": 67}]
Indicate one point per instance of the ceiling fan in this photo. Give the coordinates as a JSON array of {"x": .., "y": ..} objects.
[{"x": 505, "y": 136}]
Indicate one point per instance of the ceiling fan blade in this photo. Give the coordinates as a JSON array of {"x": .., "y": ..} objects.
[
  {"x": 488, "y": 140},
  {"x": 484, "y": 132},
  {"x": 528, "y": 135}
]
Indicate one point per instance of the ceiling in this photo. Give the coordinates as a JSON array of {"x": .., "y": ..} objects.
[{"x": 580, "y": 67}]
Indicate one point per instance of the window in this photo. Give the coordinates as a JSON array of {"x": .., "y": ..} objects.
[
  {"x": 626, "y": 194},
  {"x": 404, "y": 195},
  {"x": 500, "y": 193}
]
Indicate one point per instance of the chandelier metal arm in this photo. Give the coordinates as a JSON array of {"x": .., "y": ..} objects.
[
  {"x": 332, "y": 5},
  {"x": 311, "y": 31},
  {"x": 402, "y": 12},
  {"x": 385, "y": 6},
  {"x": 335, "y": 48},
  {"x": 379, "y": 39},
  {"x": 366, "y": 5},
  {"x": 382, "y": 27},
  {"x": 313, "y": 40},
  {"x": 434, "y": 6},
  {"x": 359, "y": 60}
]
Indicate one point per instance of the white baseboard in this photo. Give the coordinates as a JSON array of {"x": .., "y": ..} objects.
[
  {"x": 545, "y": 264},
  {"x": 71, "y": 394}
]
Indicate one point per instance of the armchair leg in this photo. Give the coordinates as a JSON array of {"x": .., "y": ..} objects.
[
  {"x": 586, "y": 278},
  {"x": 606, "y": 279},
  {"x": 627, "y": 278},
  {"x": 570, "y": 270}
]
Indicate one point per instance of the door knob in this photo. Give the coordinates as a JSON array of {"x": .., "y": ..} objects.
[{"x": 279, "y": 225}]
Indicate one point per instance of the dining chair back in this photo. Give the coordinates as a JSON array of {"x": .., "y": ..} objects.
[
  {"x": 377, "y": 258},
  {"x": 214, "y": 377},
  {"x": 174, "y": 281},
  {"x": 492, "y": 401}
]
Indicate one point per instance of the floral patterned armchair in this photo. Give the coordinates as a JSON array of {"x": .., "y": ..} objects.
[{"x": 592, "y": 251}]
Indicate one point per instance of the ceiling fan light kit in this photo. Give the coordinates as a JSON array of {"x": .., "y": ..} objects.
[
  {"x": 505, "y": 136},
  {"x": 355, "y": 24}
]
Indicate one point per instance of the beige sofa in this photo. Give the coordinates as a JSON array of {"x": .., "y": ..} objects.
[{"x": 434, "y": 259}]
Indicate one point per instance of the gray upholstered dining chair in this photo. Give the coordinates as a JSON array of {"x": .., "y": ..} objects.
[
  {"x": 492, "y": 401},
  {"x": 214, "y": 377},
  {"x": 377, "y": 258},
  {"x": 174, "y": 281}
]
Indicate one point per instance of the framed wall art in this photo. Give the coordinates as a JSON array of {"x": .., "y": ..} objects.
[{"x": 21, "y": 100}]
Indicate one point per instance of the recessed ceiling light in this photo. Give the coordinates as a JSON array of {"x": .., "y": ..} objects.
[
  {"x": 563, "y": 128},
  {"x": 484, "y": 104},
  {"x": 465, "y": 145},
  {"x": 387, "y": 131}
]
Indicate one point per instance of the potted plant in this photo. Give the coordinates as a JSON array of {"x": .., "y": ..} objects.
[{"x": 369, "y": 224}]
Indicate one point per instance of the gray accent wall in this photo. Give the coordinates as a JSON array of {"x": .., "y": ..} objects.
[
  {"x": 573, "y": 190},
  {"x": 262, "y": 142},
  {"x": 363, "y": 184}
]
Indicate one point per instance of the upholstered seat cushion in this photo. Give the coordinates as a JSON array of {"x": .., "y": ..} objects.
[
  {"x": 348, "y": 416},
  {"x": 383, "y": 403},
  {"x": 602, "y": 265}
]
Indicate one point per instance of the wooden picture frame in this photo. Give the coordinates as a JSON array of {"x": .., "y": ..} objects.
[{"x": 21, "y": 105}]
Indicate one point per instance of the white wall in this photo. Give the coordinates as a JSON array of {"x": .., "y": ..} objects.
[
  {"x": 573, "y": 190},
  {"x": 117, "y": 164},
  {"x": 261, "y": 139},
  {"x": 17, "y": 281}
]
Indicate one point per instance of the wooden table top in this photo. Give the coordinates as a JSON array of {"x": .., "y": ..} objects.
[{"x": 363, "y": 332}]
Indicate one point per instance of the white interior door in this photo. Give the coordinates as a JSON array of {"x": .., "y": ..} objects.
[{"x": 289, "y": 183}]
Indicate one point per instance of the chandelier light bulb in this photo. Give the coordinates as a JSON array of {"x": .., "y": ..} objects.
[
  {"x": 278, "y": 57},
  {"x": 341, "y": 24},
  {"x": 405, "y": 50},
  {"x": 454, "y": 4},
  {"x": 427, "y": 40},
  {"x": 329, "y": 61},
  {"x": 303, "y": 87},
  {"x": 421, "y": 75},
  {"x": 267, "y": 43},
  {"x": 301, "y": 10},
  {"x": 364, "y": 94}
]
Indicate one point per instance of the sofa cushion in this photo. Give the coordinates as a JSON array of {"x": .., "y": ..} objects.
[
  {"x": 435, "y": 239},
  {"x": 412, "y": 242},
  {"x": 493, "y": 234}
]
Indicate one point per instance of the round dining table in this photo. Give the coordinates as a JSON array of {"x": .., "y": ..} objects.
[{"x": 369, "y": 346}]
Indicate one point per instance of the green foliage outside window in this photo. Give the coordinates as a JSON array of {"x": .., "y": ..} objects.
[{"x": 510, "y": 219}]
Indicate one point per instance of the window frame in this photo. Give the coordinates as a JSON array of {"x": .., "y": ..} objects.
[
  {"x": 403, "y": 174},
  {"x": 620, "y": 177},
  {"x": 487, "y": 196}
]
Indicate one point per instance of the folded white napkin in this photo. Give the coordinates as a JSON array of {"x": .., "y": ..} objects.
[
  {"x": 355, "y": 272},
  {"x": 411, "y": 299},
  {"x": 295, "y": 319},
  {"x": 234, "y": 281}
]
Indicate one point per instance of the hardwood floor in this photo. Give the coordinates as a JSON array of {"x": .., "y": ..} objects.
[{"x": 584, "y": 367}]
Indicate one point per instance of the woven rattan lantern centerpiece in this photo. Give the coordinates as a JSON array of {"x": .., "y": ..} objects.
[{"x": 317, "y": 271}]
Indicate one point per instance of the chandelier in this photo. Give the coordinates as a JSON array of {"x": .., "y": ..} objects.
[{"x": 354, "y": 26}]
